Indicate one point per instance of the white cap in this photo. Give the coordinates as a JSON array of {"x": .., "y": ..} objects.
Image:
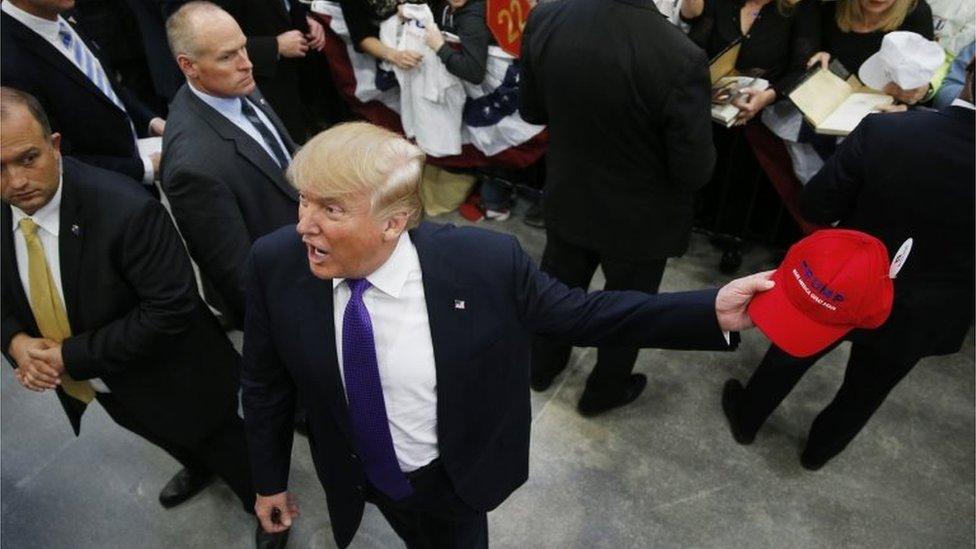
[{"x": 905, "y": 58}]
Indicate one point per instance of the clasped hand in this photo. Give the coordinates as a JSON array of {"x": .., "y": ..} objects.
[{"x": 39, "y": 362}]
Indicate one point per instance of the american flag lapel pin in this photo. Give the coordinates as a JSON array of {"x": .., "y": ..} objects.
[
  {"x": 459, "y": 304},
  {"x": 75, "y": 230}
]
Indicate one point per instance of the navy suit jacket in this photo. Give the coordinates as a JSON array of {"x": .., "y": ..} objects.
[
  {"x": 93, "y": 129},
  {"x": 910, "y": 175},
  {"x": 481, "y": 354}
]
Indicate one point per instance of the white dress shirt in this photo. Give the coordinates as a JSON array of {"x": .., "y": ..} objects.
[
  {"x": 404, "y": 352},
  {"x": 230, "y": 108},
  {"x": 48, "y": 219},
  {"x": 48, "y": 30}
]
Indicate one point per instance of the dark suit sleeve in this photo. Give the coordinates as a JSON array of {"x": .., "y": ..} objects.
[
  {"x": 688, "y": 127},
  {"x": 831, "y": 195},
  {"x": 8, "y": 329},
  {"x": 214, "y": 228},
  {"x": 154, "y": 264},
  {"x": 683, "y": 320},
  {"x": 531, "y": 103},
  {"x": 267, "y": 394},
  {"x": 10, "y": 325},
  {"x": 139, "y": 113}
]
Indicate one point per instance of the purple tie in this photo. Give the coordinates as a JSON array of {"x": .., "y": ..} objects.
[{"x": 365, "y": 395}]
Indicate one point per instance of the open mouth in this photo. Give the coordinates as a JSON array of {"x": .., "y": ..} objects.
[{"x": 316, "y": 255}]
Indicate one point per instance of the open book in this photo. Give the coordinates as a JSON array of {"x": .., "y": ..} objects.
[
  {"x": 727, "y": 91},
  {"x": 727, "y": 84},
  {"x": 832, "y": 105}
]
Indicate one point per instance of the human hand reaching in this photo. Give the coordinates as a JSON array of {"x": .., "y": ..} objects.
[{"x": 732, "y": 301}]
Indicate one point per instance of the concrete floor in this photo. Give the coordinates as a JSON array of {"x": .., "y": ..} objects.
[{"x": 663, "y": 472}]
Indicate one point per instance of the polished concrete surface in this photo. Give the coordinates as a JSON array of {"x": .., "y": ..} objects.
[{"x": 662, "y": 472}]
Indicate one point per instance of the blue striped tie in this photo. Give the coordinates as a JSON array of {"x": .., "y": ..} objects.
[{"x": 89, "y": 64}]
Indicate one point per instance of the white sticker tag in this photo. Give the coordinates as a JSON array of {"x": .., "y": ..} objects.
[{"x": 899, "y": 261}]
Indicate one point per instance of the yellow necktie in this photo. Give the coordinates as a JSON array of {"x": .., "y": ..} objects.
[{"x": 49, "y": 311}]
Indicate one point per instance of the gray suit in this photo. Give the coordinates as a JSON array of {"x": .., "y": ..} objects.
[{"x": 225, "y": 192}]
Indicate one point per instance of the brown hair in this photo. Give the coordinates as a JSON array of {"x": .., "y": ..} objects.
[{"x": 12, "y": 96}]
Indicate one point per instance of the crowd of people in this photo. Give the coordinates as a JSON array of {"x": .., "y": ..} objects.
[{"x": 405, "y": 349}]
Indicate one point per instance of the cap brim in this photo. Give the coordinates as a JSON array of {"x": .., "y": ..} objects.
[
  {"x": 787, "y": 327},
  {"x": 872, "y": 73}
]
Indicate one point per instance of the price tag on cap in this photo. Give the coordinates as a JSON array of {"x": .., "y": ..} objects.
[{"x": 899, "y": 261}]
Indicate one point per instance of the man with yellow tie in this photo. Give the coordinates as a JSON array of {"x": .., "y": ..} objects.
[{"x": 99, "y": 302}]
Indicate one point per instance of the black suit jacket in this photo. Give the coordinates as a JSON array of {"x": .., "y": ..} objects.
[
  {"x": 225, "y": 192},
  {"x": 626, "y": 96},
  {"x": 93, "y": 129},
  {"x": 136, "y": 319},
  {"x": 278, "y": 78},
  {"x": 481, "y": 354},
  {"x": 910, "y": 175}
]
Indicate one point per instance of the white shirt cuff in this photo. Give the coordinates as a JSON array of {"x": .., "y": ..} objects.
[
  {"x": 148, "y": 175},
  {"x": 728, "y": 337}
]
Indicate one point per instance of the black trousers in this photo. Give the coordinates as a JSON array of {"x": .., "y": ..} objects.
[
  {"x": 873, "y": 370},
  {"x": 224, "y": 452},
  {"x": 433, "y": 517},
  {"x": 574, "y": 266}
]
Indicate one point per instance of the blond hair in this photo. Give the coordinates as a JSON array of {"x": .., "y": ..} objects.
[
  {"x": 182, "y": 26},
  {"x": 849, "y": 13},
  {"x": 360, "y": 158}
]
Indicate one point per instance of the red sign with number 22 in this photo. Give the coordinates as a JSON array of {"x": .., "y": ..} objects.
[{"x": 506, "y": 19}]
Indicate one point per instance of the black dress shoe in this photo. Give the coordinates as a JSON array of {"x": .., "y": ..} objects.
[
  {"x": 731, "y": 393},
  {"x": 591, "y": 405},
  {"x": 184, "y": 485},
  {"x": 811, "y": 463},
  {"x": 264, "y": 540}
]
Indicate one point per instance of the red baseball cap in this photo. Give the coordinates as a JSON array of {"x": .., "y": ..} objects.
[{"x": 830, "y": 282}]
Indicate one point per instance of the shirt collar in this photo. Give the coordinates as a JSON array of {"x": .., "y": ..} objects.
[
  {"x": 46, "y": 28},
  {"x": 227, "y": 106},
  {"x": 958, "y": 102},
  {"x": 48, "y": 217},
  {"x": 392, "y": 275}
]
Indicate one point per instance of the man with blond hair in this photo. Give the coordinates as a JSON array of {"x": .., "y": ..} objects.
[{"x": 408, "y": 343}]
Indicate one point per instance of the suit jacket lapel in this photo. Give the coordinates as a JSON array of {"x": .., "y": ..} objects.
[
  {"x": 450, "y": 319},
  {"x": 246, "y": 146},
  {"x": 258, "y": 100},
  {"x": 71, "y": 236},
  {"x": 11, "y": 277},
  {"x": 35, "y": 43},
  {"x": 318, "y": 343}
]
